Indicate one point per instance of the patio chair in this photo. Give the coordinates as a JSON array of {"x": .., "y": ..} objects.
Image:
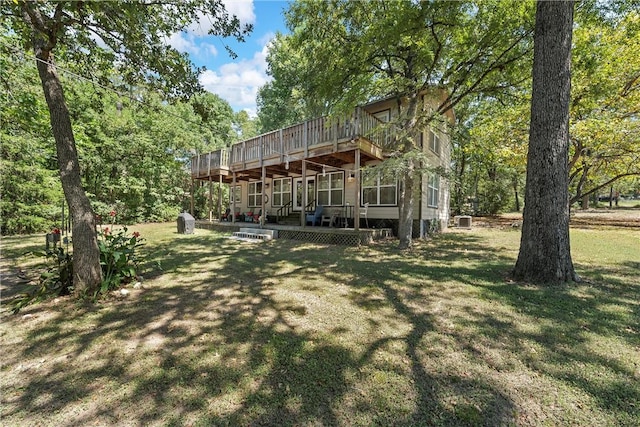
[
  {"x": 363, "y": 213},
  {"x": 226, "y": 216},
  {"x": 314, "y": 218}
]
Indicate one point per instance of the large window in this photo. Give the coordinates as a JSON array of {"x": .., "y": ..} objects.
[
  {"x": 255, "y": 194},
  {"x": 281, "y": 191},
  {"x": 433, "y": 191},
  {"x": 434, "y": 142},
  {"x": 330, "y": 189},
  {"x": 379, "y": 190},
  {"x": 235, "y": 195}
]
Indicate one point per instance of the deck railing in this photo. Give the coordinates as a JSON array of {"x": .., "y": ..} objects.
[
  {"x": 296, "y": 138},
  {"x": 203, "y": 164}
]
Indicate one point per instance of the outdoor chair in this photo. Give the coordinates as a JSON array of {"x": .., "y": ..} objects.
[
  {"x": 226, "y": 216},
  {"x": 256, "y": 217},
  {"x": 314, "y": 218},
  {"x": 363, "y": 213}
]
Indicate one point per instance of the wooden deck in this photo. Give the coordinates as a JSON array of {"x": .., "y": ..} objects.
[
  {"x": 323, "y": 235},
  {"x": 329, "y": 141}
]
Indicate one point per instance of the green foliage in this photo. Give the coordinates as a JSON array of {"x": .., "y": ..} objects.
[
  {"x": 134, "y": 155},
  {"x": 605, "y": 125},
  {"x": 89, "y": 35},
  {"x": 281, "y": 101},
  {"x": 29, "y": 183},
  {"x": 217, "y": 119},
  {"x": 490, "y": 148},
  {"x": 56, "y": 280},
  {"x": 133, "y": 149},
  {"x": 244, "y": 126},
  {"x": 118, "y": 257},
  {"x": 341, "y": 54},
  {"x": 119, "y": 261}
]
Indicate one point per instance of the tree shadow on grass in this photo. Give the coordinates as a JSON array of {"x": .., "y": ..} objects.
[
  {"x": 580, "y": 328},
  {"x": 220, "y": 341}
]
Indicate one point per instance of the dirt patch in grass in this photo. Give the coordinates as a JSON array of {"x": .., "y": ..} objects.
[
  {"x": 288, "y": 333},
  {"x": 590, "y": 218}
]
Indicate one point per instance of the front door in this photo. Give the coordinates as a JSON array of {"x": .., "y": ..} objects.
[{"x": 298, "y": 194}]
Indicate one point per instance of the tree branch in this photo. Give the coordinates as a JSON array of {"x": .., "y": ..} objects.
[{"x": 606, "y": 184}]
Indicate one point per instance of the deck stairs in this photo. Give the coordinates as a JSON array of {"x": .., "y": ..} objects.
[
  {"x": 292, "y": 219},
  {"x": 255, "y": 234}
]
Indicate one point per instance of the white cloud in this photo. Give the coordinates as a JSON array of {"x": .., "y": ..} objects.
[
  {"x": 187, "y": 41},
  {"x": 183, "y": 42},
  {"x": 266, "y": 39},
  {"x": 238, "y": 82},
  {"x": 210, "y": 49},
  {"x": 243, "y": 9}
]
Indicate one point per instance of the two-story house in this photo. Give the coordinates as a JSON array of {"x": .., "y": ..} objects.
[{"x": 284, "y": 175}]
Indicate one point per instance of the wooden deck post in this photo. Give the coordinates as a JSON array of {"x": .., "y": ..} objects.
[
  {"x": 263, "y": 204},
  {"x": 219, "y": 197},
  {"x": 305, "y": 140},
  {"x": 210, "y": 194},
  {"x": 244, "y": 154},
  {"x": 305, "y": 196},
  {"x": 356, "y": 214},
  {"x": 281, "y": 147},
  {"x": 233, "y": 198},
  {"x": 192, "y": 182}
]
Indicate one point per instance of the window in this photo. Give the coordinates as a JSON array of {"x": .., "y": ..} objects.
[
  {"x": 330, "y": 189},
  {"x": 255, "y": 194},
  {"x": 379, "y": 190},
  {"x": 434, "y": 142},
  {"x": 281, "y": 192},
  {"x": 235, "y": 195},
  {"x": 433, "y": 191}
]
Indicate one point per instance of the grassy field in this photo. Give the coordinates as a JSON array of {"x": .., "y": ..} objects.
[{"x": 288, "y": 333}]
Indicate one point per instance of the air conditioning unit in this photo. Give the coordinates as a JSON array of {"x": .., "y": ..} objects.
[{"x": 463, "y": 221}]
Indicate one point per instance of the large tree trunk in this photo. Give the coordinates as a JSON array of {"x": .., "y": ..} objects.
[
  {"x": 545, "y": 255},
  {"x": 87, "y": 273},
  {"x": 407, "y": 186},
  {"x": 405, "y": 207}
]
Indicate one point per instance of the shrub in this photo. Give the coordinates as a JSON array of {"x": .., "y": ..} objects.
[
  {"x": 118, "y": 257},
  {"x": 56, "y": 280},
  {"x": 118, "y": 260}
]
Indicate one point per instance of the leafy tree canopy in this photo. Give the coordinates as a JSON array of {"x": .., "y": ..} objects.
[
  {"x": 341, "y": 54},
  {"x": 131, "y": 34}
]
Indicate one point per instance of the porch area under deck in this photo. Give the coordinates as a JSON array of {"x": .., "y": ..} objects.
[{"x": 322, "y": 235}]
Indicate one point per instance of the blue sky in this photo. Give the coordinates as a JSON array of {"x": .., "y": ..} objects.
[{"x": 235, "y": 80}]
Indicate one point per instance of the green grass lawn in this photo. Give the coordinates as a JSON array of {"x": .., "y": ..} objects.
[{"x": 288, "y": 333}]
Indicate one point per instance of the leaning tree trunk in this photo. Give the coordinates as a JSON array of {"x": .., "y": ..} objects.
[
  {"x": 87, "y": 273},
  {"x": 545, "y": 255}
]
